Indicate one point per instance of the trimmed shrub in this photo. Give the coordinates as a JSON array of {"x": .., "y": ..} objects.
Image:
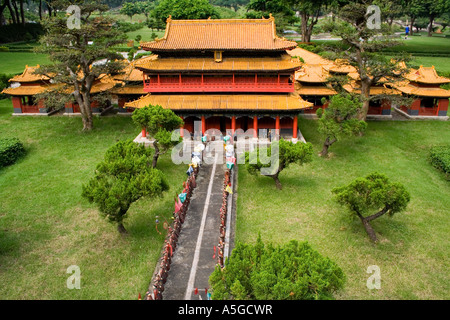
[
  {"x": 18, "y": 32},
  {"x": 440, "y": 159},
  {"x": 11, "y": 149},
  {"x": 4, "y": 83},
  {"x": 294, "y": 271}
]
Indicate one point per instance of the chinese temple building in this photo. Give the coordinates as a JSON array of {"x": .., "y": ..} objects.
[
  {"x": 229, "y": 74},
  {"x": 23, "y": 89},
  {"x": 425, "y": 85},
  {"x": 104, "y": 83},
  {"x": 312, "y": 85},
  {"x": 132, "y": 88}
]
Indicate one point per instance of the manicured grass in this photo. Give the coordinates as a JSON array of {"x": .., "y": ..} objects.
[
  {"x": 146, "y": 34},
  {"x": 442, "y": 64},
  {"x": 414, "y": 248},
  {"x": 417, "y": 45},
  {"x": 15, "y": 62},
  {"x": 46, "y": 226}
]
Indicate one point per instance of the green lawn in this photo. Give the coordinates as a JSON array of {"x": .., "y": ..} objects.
[
  {"x": 413, "y": 253},
  {"x": 15, "y": 62},
  {"x": 45, "y": 225}
]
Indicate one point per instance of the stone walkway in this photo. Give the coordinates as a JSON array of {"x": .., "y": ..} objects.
[{"x": 194, "y": 258}]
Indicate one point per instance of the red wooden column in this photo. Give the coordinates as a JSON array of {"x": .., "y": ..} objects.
[
  {"x": 144, "y": 133},
  {"x": 255, "y": 126},
  {"x": 233, "y": 124},
  {"x": 295, "y": 127},
  {"x": 277, "y": 125},
  {"x": 182, "y": 128},
  {"x": 203, "y": 125}
]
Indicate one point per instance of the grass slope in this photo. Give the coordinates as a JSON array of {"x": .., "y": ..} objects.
[
  {"x": 414, "y": 247},
  {"x": 45, "y": 225},
  {"x": 15, "y": 62}
]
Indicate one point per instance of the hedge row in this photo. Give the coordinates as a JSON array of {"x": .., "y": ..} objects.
[
  {"x": 11, "y": 149},
  {"x": 17, "y": 32},
  {"x": 440, "y": 159}
]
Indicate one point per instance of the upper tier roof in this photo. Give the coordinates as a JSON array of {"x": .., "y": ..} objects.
[
  {"x": 228, "y": 64},
  {"x": 220, "y": 34},
  {"x": 427, "y": 75},
  {"x": 28, "y": 75}
]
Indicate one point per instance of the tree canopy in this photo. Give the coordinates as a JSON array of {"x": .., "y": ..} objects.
[
  {"x": 293, "y": 271},
  {"x": 371, "y": 197},
  {"x": 73, "y": 52},
  {"x": 123, "y": 177},
  {"x": 339, "y": 119},
  {"x": 160, "y": 124},
  {"x": 271, "y": 161},
  {"x": 184, "y": 9}
]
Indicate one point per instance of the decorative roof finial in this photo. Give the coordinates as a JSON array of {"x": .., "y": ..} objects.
[
  {"x": 271, "y": 17},
  {"x": 169, "y": 19}
]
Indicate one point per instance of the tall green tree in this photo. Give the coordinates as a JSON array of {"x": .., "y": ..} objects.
[
  {"x": 271, "y": 161},
  {"x": 123, "y": 177},
  {"x": 160, "y": 124},
  {"x": 309, "y": 13},
  {"x": 365, "y": 45},
  {"x": 73, "y": 52},
  {"x": 339, "y": 119},
  {"x": 434, "y": 9},
  {"x": 130, "y": 9},
  {"x": 184, "y": 9},
  {"x": 280, "y": 9},
  {"x": 372, "y": 197}
]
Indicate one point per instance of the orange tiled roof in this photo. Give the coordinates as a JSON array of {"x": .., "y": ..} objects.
[
  {"x": 223, "y": 102},
  {"x": 227, "y": 64},
  {"x": 424, "y": 92},
  {"x": 315, "y": 90},
  {"x": 426, "y": 75},
  {"x": 26, "y": 90},
  {"x": 374, "y": 90},
  {"x": 29, "y": 76},
  {"x": 220, "y": 34},
  {"x": 128, "y": 89},
  {"x": 309, "y": 57},
  {"x": 341, "y": 66},
  {"x": 312, "y": 73},
  {"x": 130, "y": 73}
]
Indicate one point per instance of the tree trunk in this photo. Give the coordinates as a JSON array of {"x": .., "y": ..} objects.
[
  {"x": 22, "y": 12},
  {"x": 411, "y": 30},
  {"x": 277, "y": 181},
  {"x": 11, "y": 11},
  {"x": 40, "y": 9},
  {"x": 365, "y": 95},
  {"x": 305, "y": 36},
  {"x": 430, "y": 26},
  {"x": 121, "y": 229},
  {"x": 369, "y": 230},
  {"x": 327, "y": 144},
  {"x": 156, "y": 155},
  {"x": 16, "y": 11}
]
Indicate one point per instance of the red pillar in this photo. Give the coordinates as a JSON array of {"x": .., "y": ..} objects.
[
  {"x": 144, "y": 132},
  {"x": 277, "y": 125},
  {"x": 233, "y": 125},
  {"x": 295, "y": 128},
  {"x": 203, "y": 125},
  {"x": 182, "y": 128},
  {"x": 255, "y": 126}
]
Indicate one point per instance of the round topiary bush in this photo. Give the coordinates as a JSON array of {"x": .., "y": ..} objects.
[
  {"x": 294, "y": 271},
  {"x": 11, "y": 149}
]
